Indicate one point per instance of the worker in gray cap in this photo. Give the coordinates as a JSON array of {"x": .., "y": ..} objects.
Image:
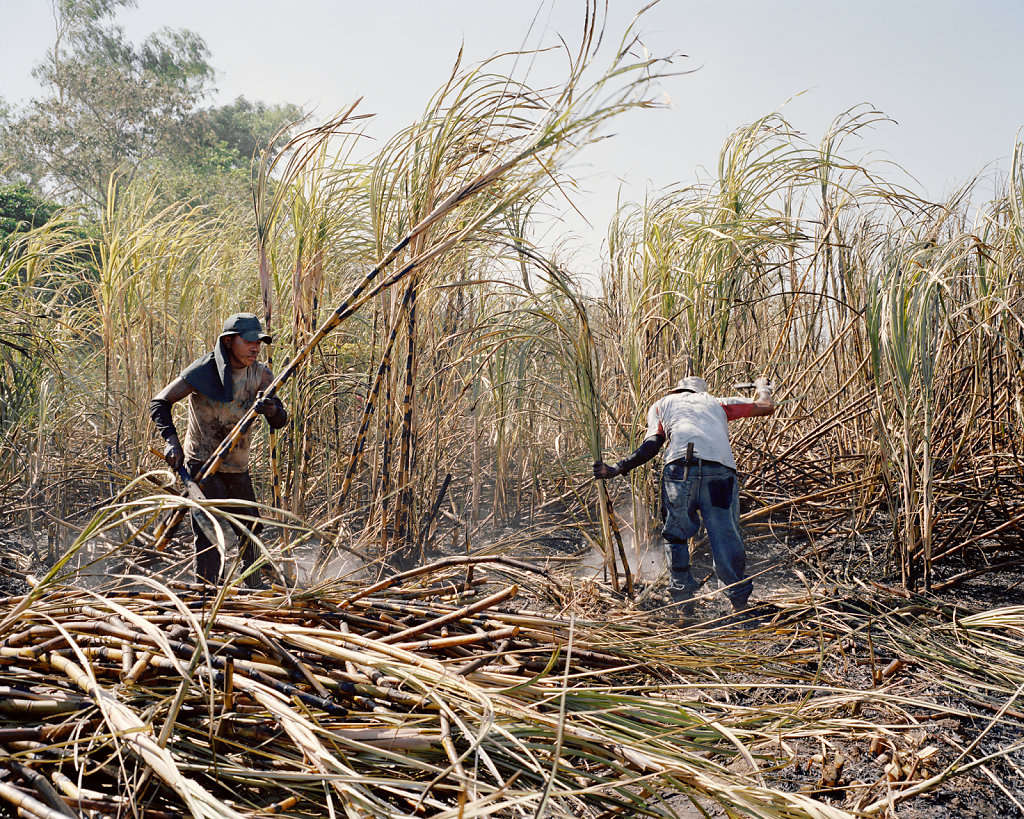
[
  {"x": 698, "y": 482},
  {"x": 220, "y": 387}
]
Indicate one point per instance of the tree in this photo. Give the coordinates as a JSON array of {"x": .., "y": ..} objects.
[
  {"x": 21, "y": 210},
  {"x": 242, "y": 128},
  {"x": 213, "y": 156},
  {"x": 115, "y": 110},
  {"x": 111, "y": 105}
]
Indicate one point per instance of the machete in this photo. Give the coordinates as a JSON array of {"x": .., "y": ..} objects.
[{"x": 194, "y": 493}]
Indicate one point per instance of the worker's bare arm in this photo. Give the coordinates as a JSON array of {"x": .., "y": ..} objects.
[{"x": 174, "y": 392}]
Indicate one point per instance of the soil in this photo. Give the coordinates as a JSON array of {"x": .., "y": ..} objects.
[{"x": 842, "y": 771}]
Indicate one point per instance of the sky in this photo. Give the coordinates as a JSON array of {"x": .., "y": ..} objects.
[{"x": 950, "y": 74}]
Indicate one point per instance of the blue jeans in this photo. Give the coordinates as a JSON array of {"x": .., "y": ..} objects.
[{"x": 712, "y": 492}]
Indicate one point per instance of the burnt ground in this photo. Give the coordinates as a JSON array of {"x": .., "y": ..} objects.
[
  {"x": 846, "y": 771},
  {"x": 855, "y": 771},
  {"x": 864, "y": 767}
]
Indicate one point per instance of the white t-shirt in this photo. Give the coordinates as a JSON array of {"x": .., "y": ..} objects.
[{"x": 698, "y": 418}]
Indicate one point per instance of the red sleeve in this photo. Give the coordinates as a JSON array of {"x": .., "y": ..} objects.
[{"x": 735, "y": 411}]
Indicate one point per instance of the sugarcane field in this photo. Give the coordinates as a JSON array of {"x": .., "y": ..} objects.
[{"x": 333, "y": 483}]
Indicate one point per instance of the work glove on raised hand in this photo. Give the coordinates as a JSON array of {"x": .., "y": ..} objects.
[
  {"x": 174, "y": 454},
  {"x": 762, "y": 384},
  {"x": 272, "y": 409},
  {"x": 264, "y": 406}
]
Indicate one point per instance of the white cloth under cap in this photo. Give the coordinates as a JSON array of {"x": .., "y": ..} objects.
[{"x": 692, "y": 383}]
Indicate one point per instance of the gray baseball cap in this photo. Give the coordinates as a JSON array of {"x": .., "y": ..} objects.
[{"x": 247, "y": 326}]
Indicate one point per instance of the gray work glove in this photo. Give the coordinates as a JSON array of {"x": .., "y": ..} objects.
[
  {"x": 268, "y": 407},
  {"x": 762, "y": 384},
  {"x": 272, "y": 409},
  {"x": 174, "y": 454}
]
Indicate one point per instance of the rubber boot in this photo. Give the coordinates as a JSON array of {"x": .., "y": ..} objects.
[{"x": 682, "y": 600}]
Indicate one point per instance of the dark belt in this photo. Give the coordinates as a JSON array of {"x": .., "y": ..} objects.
[{"x": 695, "y": 462}]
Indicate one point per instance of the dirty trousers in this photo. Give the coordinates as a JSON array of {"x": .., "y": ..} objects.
[
  {"x": 709, "y": 492},
  {"x": 222, "y": 486}
]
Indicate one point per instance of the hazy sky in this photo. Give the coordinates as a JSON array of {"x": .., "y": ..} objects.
[{"x": 951, "y": 74}]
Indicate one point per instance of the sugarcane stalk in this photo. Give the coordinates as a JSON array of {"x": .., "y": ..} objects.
[
  {"x": 429, "y": 520},
  {"x": 363, "y": 291},
  {"x": 473, "y": 608},
  {"x": 43, "y": 733},
  {"x": 438, "y": 643},
  {"x": 383, "y": 489},
  {"x": 443, "y": 563},
  {"x": 292, "y": 661},
  {"x": 383, "y": 369},
  {"x": 138, "y": 737},
  {"x": 43, "y": 707},
  {"x": 113, "y": 806},
  {"x": 281, "y": 805},
  {"x": 580, "y": 345},
  {"x": 138, "y": 668},
  {"x": 32, "y": 806},
  {"x": 403, "y": 515},
  {"x": 42, "y": 786}
]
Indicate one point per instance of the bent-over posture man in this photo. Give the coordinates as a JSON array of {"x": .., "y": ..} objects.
[
  {"x": 704, "y": 484},
  {"x": 220, "y": 387}
]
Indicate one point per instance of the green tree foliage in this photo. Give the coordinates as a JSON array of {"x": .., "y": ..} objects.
[
  {"x": 211, "y": 159},
  {"x": 21, "y": 210},
  {"x": 115, "y": 109},
  {"x": 240, "y": 129},
  {"x": 32, "y": 226},
  {"x": 110, "y": 105}
]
